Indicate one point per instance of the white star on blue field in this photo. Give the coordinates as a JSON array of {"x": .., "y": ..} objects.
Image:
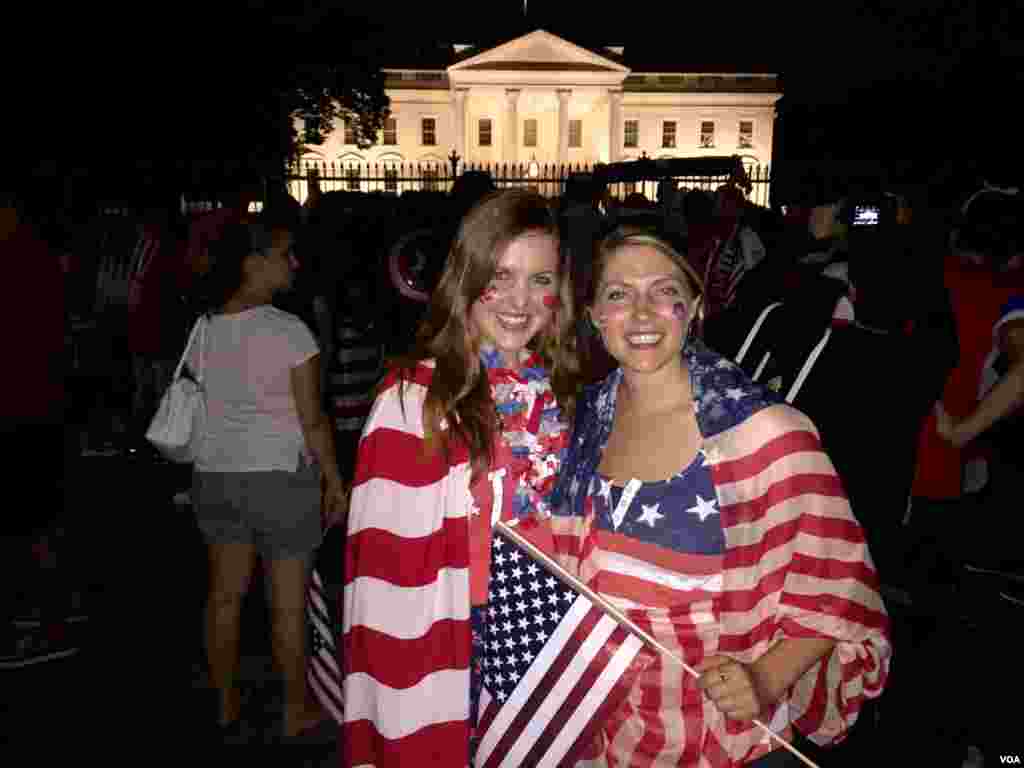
[{"x": 680, "y": 513}]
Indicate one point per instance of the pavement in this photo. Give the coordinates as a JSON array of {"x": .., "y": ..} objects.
[{"x": 138, "y": 683}]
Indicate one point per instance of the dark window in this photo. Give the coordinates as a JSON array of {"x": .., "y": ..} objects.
[
  {"x": 311, "y": 130},
  {"x": 390, "y": 131},
  {"x": 707, "y": 134},
  {"x": 484, "y": 132},
  {"x": 575, "y": 133},
  {"x": 429, "y": 132},
  {"x": 668, "y": 134},
  {"x": 631, "y": 133},
  {"x": 530, "y": 133},
  {"x": 746, "y": 134}
]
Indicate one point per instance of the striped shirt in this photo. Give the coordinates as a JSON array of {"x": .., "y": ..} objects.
[
  {"x": 119, "y": 250},
  {"x": 658, "y": 558},
  {"x": 728, "y": 265},
  {"x": 795, "y": 564},
  {"x": 356, "y": 368}
]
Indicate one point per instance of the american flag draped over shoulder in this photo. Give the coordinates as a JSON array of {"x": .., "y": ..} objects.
[
  {"x": 555, "y": 664},
  {"x": 795, "y": 565}
]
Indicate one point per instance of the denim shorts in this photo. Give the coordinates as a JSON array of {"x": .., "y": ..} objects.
[{"x": 277, "y": 511}]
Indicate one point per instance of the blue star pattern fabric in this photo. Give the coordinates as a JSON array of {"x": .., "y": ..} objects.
[
  {"x": 526, "y": 604},
  {"x": 723, "y": 394},
  {"x": 553, "y": 664},
  {"x": 680, "y": 513}
]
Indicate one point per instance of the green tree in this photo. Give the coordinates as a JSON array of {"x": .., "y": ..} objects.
[
  {"x": 221, "y": 92},
  {"x": 328, "y": 70}
]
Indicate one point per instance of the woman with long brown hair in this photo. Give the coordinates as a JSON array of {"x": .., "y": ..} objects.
[{"x": 469, "y": 428}]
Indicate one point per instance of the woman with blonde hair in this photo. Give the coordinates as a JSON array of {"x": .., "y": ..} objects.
[
  {"x": 710, "y": 515},
  {"x": 469, "y": 428}
]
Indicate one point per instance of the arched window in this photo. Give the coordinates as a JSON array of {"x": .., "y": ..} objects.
[
  {"x": 390, "y": 164},
  {"x": 311, "y": 161},
  {"x": 353, "y": 169}
]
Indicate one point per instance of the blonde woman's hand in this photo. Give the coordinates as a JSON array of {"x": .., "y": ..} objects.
[{"x": 731, "y": 687}]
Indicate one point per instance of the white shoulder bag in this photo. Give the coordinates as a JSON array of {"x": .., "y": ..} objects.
[{"x": 177, "y": 427}]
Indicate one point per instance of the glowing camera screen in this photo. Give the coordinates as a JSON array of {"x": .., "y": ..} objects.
[{"x": 866, "y": 216}]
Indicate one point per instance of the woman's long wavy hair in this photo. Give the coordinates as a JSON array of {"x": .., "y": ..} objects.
[{"x": 459, "y": 395}]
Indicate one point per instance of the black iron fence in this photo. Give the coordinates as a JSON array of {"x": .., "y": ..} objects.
[{"x": 393, "y": 178}]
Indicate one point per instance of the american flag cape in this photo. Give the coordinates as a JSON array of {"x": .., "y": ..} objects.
[
  {"x": 796, "y": 562},
  {"x": 405, "y": 642},
  {"x": 555, "y": 663},
  {"x": 323, "y": 672}
]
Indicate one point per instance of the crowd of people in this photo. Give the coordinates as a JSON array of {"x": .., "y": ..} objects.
[{"x": 571, "y": 366}]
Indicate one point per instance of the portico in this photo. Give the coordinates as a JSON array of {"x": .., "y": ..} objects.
[
  {"x": 542, "y": 98},
  {"x": 544, "y": 83}
]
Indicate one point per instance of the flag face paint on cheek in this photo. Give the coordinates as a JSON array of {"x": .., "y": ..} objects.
[
  {"x": 552, "y": 301},
  {"x": 489, "y": 295},
  {"x": 679, "y": 309}
]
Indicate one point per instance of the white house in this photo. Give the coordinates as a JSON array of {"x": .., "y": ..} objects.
[{"x": 542, "y": 98}]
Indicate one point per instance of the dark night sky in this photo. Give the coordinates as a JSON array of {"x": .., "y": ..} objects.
[
  {"x": 840, "y": 44},
  {"x": 913, "y": 77},
  {"x": 854, "y": 74},
  {"x": 823, "y": 49}
]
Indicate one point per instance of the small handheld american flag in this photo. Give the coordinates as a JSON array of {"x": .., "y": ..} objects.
[
  {"x": 555, "y": 663},
  {"x": 323, "y": 673}
]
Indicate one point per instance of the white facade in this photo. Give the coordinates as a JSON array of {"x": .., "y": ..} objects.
[{"x": 543, "y": 78}]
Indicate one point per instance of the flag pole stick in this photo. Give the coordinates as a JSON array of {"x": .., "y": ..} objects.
[{"x": 567, "y": 578}]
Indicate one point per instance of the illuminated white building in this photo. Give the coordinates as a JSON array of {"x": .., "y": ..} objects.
[{"x": 540, "y": 97}]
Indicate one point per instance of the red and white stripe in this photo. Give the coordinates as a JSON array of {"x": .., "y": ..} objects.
[
  {"x": 795, "y": 565},
  {"x": 405, "y": 631},
  {"x": 564, "y": 695},
  {"x": 324, "y": 673}
]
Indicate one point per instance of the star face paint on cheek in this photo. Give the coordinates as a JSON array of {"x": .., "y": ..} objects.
[{"x": 489, "y": 295}]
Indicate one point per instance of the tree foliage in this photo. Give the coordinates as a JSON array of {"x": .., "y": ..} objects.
[
  {"x": 329, "y": 71},
  {"x": 215, "y": 91}
]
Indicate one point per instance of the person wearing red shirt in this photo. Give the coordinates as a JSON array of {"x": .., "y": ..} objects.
[
  {"x": 32, "y": 400},
  {"x": 160, "y": 277},
  {"x": 977, "y": 293}
]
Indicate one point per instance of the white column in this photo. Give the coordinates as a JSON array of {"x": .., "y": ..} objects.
[
  {"x": 459, "y": 122},
  {"x": 511, "y": 124},
  {"x": 614, "y": 126},
  {"x": 563, "y": 125}
]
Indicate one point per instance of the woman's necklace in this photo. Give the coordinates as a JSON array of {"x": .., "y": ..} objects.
[{"x": 531, "y": 424}]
